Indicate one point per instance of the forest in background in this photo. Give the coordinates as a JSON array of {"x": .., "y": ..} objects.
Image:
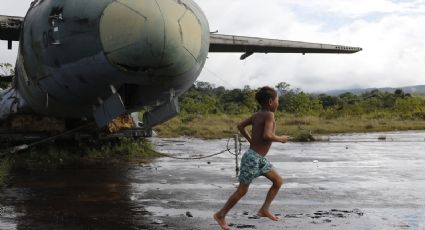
[
  {"x": 213, "y": 112},
  {"x": 204, "y": 98}
]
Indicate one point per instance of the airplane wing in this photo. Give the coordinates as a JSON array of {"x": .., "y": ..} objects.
[
  {"x": 249, "y": 45},
  {"x": 10, "y": 28}
]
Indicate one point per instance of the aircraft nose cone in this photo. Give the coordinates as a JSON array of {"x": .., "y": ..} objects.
[{"x": 144, "y": 35}]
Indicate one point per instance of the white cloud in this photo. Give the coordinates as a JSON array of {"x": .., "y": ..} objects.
[
  {"x": 394, "y": 47},
  {"x": 349, "y": 7},
  {"x": 361, "y": 8},
  {"x": 14, "y": 8}
]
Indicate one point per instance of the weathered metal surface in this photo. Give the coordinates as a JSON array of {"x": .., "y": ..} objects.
[
  {"x": 110, "y": 109},
  {"x": 132, "y": 34},
  {"x": 10, "y": 28},
  {"x": 158, "y": 115},
  {"x": 230, "y": 43},
  {"x": 160, "y": 36}
]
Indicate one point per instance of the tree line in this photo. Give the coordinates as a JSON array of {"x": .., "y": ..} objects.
[{"x": 204, "y": 98}]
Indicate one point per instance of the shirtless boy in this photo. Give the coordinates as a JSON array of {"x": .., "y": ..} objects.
[{"x": 254, "y": 163}]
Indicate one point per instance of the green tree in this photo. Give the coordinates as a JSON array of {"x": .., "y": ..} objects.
[
  {"x": 328, "y": 101},
  {"x": 349, "y": 98},
  {"x": 204, "y": 86},
  {"x": 297, "y": 103},
  {"x": 238, "y": 101},
  {"x": 200, "y": 105},
  {"x": 409, "y": 105},
  {"x": 283, "y": 87}
]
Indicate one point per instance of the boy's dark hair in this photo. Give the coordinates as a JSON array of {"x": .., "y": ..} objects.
[{"x": 265, "y": 94}]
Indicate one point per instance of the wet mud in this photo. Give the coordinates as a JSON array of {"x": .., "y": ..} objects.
[{"x": 346, "y": 184}]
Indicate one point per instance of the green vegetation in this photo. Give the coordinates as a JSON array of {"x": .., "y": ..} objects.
[
  {"x": 223, "y": 126},
  {"x": 127, "y": 149},
  {"x": 68, "y": 154},
  {"x": 71, "y": 154},
  {"x": 201, "y": 126},
  {"x": 209, "y": 112},
  {"x": 204, "y": 99}
]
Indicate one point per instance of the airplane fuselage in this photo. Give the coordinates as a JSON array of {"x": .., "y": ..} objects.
[{"x": 73, "y": 54}]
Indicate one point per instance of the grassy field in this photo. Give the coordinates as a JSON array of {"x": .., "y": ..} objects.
[{"x": 223, "y": 126}]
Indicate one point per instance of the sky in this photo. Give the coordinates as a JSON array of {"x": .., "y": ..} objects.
[{"x": 391, "y": 33}]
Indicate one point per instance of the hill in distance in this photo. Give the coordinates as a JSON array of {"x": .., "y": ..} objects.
[{"x": 417, "y": 89}]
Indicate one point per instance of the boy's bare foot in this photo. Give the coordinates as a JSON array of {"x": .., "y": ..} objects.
[
  {"x": 221, "y": 221},
  {"x": 267, "y": 213}
]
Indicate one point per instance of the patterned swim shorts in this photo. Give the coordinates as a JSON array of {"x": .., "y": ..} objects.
[{"x": 253, "y": 165}]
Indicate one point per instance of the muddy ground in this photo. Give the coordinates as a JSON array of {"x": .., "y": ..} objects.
[{"x": 353, "y": 182}]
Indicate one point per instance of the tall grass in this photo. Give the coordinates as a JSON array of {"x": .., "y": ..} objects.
[
  {"x": 126, "y": 148},
  {"x": 208, "y": 126},
  {"x": 223, "y": 126}
]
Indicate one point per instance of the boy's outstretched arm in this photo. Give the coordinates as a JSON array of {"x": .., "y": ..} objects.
[
  {"x": 269, "y": 130},
  {"x": 242, "y": 129}
]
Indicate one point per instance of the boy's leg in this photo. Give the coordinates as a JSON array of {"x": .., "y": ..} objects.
[
  {"x": 277, "y": 183},
  {"x": 233, "y": 199}
]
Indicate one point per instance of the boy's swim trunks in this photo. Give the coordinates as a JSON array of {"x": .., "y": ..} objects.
[{"x": 253, "y": 165}]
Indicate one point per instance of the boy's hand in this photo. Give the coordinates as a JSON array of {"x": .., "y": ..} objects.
[{"x": 284, "y": 139}]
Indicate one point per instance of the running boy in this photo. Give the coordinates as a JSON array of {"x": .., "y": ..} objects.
[{"x": 254, "y": 163}]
